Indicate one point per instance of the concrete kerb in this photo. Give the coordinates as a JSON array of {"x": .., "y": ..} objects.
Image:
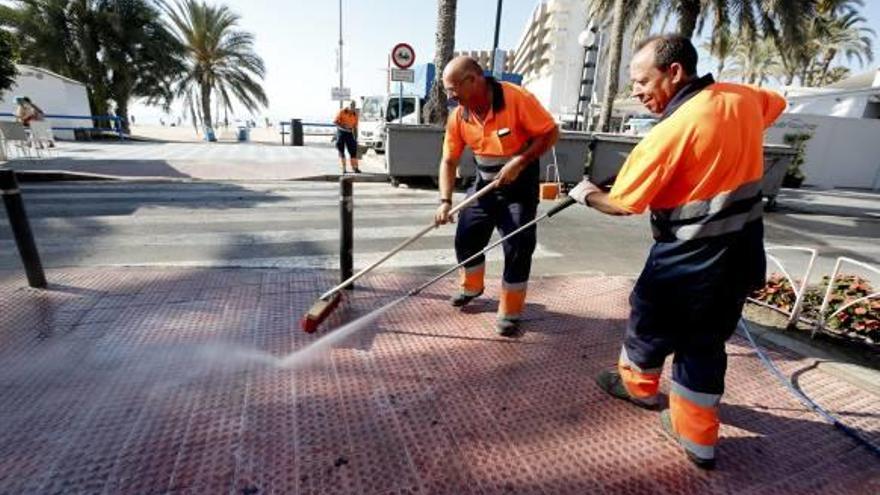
[{"x": 68, "y": 176}]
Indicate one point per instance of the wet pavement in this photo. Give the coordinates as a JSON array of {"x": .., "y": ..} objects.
[{"x": 150, "y": 380}]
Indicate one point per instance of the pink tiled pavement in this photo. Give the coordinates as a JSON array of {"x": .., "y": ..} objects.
[{"x": 162, "y": 381}]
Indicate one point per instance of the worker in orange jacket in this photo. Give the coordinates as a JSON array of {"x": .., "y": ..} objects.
[
  {"x": 699, "y": 171},
  {"x": 508, "y": 131},
  {"x": 346, "y": 136}
]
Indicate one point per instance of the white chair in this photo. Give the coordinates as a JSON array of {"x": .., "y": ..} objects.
[
  {"x": 13, "y": 133},
  {"x": 42, "y": 138}
]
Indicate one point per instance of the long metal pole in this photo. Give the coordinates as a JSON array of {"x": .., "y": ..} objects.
[
  {"x": 340, "y": 52},
  {"x": 561, "y": 205},
  {"x": 495, "y": 41}
]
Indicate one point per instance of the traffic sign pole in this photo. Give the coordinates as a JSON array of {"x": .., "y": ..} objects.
[{"x": 403, "y": 57}]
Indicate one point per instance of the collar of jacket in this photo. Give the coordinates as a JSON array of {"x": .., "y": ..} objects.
[
  {"x": 687, "y": 92},
  {"x": 497, "y": 98}
]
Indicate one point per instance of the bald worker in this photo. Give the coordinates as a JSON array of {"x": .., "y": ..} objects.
[{"x": 508, "y": 130}]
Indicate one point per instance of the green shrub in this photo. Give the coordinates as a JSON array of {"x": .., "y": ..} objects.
[{"x": 798, "y": 141}]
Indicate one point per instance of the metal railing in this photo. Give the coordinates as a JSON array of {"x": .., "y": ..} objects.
[
  {"x": 117, "y": 122},
  {"x": 800, "y": 290}
]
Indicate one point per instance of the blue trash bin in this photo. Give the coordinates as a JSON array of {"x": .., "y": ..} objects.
[
  {"x": 243, "y": 134},
  {"x": 209, "y": 134}
]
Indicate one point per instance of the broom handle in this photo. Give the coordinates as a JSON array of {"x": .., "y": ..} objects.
[
  {"x": 460, "y": 206},
  {"x": 561, "y": 205}
]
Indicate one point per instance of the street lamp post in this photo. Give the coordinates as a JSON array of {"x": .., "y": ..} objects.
[
  {"x": 589, "y": 39},
  {"x": 495, "y": 42},
  {"x": 340, "y": 52}
]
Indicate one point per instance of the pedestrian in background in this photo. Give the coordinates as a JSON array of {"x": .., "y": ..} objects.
[
  {"x": 26, "y": 111},
  {"x": 346, "y": 136}
]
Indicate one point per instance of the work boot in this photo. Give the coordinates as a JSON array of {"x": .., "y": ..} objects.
[
  {"x": 357, "y": 170},
  {"x": 611, "y": 382},
  {"x": 669, "y": 430},
  {"x": 461, "y": 299},
  {"x": 506, "y": 328}
]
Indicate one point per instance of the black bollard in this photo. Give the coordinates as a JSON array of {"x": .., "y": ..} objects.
[
  {"x": 346, "y": 232},
  {"x": 296, "y": 132},
  {"x": 24, "y": 239}
]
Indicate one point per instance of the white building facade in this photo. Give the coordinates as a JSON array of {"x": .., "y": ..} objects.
[
  {"x": 551, "y": 60},
  {"x": 54, "y": 94},
  {"x": 843, "y": 121}
]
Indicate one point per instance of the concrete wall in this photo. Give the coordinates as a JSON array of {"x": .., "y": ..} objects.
[
  {"x": 54, "y": 94},
  {"x": 843, "y": 152}
]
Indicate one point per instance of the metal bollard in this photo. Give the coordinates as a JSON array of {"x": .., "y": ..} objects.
[
  {"x": 296, "y": 132},
  {"x": 346, "y": 232},
  {"x": 24, "y": 238}
]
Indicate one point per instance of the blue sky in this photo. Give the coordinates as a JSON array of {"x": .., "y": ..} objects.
[{"x": 298, "y": 40}]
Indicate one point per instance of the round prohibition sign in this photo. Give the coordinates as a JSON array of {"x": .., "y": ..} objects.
[{"x": 403, "y": 55}]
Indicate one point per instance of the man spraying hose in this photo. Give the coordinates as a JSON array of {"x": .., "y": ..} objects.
[
  {"x": 508, "y": 130},
  {"x": 699, "y": 170}
]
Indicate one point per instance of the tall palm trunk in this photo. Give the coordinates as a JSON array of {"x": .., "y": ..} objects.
[
  {"x": 206, "y": 105},
  {"x": 688, "y": 13},
  {"x": 614, "y": 53},
  {"x": 435, "y": 111},
  {"x": 826, "y": 64}
]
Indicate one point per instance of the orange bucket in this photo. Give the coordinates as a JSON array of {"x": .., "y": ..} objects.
[{"x": 550, "y": 190}]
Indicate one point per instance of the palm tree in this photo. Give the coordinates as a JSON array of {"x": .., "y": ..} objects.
[
  {"x": 62, "y": 36},
  {"x": 219, "y": 59},
  {"x": 782, "y": 20},
  {"x": 754, "y": 63},
  {"x": 8, "y": 57},
  {"x": 142, "y": 57},
  {"x": 118, "y": 48},
  {"x": 844, "y": 35},
  {"x": 435, "y": 110},
  {"x": 614, "y": 53}
]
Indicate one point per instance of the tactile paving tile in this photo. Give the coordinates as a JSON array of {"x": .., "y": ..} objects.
[{"x": 167, "y": 381}]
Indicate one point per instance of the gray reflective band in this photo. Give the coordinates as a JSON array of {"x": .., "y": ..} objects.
[
  {"x": 696, "y": 209},
  {"x": 491, "y": 160},
  {"x": 647, "y": 371},
  {"x": 514, "y": 287},
  {"x": 699, "y": 398},
  {"x": 487, "y": 175},
  {"x": 702, "y": 451},
  {"x": 721, "y": 226},
  {"x": 7, "y": 192}
]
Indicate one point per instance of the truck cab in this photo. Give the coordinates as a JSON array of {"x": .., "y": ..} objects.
[{"x": 376, "y": 111}]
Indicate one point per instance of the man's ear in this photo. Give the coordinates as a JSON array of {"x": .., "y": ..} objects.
[{"x": 677, "y": 72}]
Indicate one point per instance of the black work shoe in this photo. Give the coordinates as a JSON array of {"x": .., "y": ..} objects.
[
  {"x": 461, "y": 299},
  {"x": 666, "y": 424},
  {"x": 506, "y": 328},
  {"x": 611, "y": 382}
]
